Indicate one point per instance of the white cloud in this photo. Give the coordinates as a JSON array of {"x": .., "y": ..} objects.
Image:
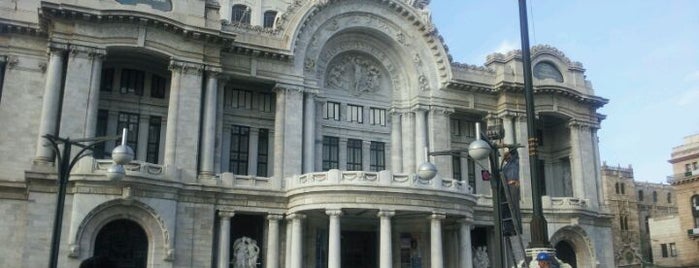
[
  {"x": 688, "y": 97},
  {"x": 506, "y": 46}
]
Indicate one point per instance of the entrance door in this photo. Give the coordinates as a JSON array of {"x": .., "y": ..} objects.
[
  {"x": 358, "y": 249},
  {"x": 124, "y": 243},
  {"x": 566, "y": 253}
]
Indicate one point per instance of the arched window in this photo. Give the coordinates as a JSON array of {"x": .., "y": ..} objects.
[
  {"x": 124, "y": 243},
  {"x": 240, "y": 14},
  {"x": 640, "y": 195},
  {"x": 695, "y": 210},
  {"x": 270, "y": 17},
  {"x": 655, "y": 197},
  {"x": 546, "y": 70},
  {"x": 669, "y": 198}
]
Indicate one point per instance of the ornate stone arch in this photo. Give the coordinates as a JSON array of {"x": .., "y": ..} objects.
[
  {"x": 578, "y": 238},
  {"x": 412, "y": 60},
  {"x": 160, "y": 246}
]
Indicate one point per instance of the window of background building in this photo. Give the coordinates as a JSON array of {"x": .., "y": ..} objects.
[
  {"x": 157, "y": 86},
  {"x": 377, "y": 156},
  {"x": 153, "y": 146},
  {"x": 332, "y": 111},
  {"x": 616, "y": 188},
  {"x": 354, "y": 154},
  {"x": 240, "y": 14},
  {"x": 107, "y": 79},
  {"x": 655, "y": 197},
  {"x": 695, "y": 210},
  {"x": 263, "y": 152},
  {"x": 623, "y": 188},
  {"x": 131, "y": 82},
  {"x": 269, "y": 18},
  {"x": 331, "y": 152},
  {"x": 647, "y": 225},
  {"x": 377, "y": 116},
  {"x": 624, "y": 223},
  {"x": 673, "y": 250},
  {"x": 663, "y": 250},
  {"x": 669, "y": 198},
  {"x": 355, "y": 113},
  {"x": 130, "y": 122},
  {"x": 640, "y": 195},
  {"x": 240, "y": 139}
]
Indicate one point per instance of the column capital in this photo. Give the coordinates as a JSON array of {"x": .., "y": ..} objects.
[
  {"x": 446, "y": 111},
  {"x": 213, "y": 70},
  {"x": 185, "y": 67},
  {"x": 288, "y": 88},
  {"x": 56, "y": 47},
  {"x": 295, "y": 216},
  {"x": 226, "y": 213},
  {"x": 86, "y": 51},
  {"x": 275, "y": 217},
  {"x": 386, "y": 213},
  {"x": 438, "y": 216},
  {"x": 333, "y": 212}
]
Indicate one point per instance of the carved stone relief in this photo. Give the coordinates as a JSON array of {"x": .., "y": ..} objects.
[{"x": 355, "y": 73}]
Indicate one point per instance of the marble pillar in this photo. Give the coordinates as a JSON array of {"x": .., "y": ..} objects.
[
  {"x": 408, "y": 140},
  {"x": 465, "y": 250},
  {"x": 272, "y": 260},
  {"x": 224, "y": 239},
  {"x": 52, "y": 96},
  {"x": 296, "y": 240},
  {"x": 253, "y": 151},
  {"x": 279, "y": 132},
  {"x": 576, "y": 159},
  {"x": 334, "y": 254},
  {"x": 385, "y": 247},
  {"x": 436, "y": 257},
  {"x": 396, "y": 143},
  {"x": 81, "y": 92},
  {"x": 440, "y": 140},
  {"x": 206, "y": 166},
  {"x": 420, "y": 136},
  {"x": 309, "y": 131}
]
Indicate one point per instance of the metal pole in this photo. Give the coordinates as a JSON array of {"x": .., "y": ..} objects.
[
  {"x": 63, "y": 173},
  {"x": 539, "y": 232},
  {"x": 497, "y": 211}
]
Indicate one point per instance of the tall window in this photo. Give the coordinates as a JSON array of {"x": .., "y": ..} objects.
[
  {"x": 157, "y": 86},
  {"x": 377, "y": 116},
  {"x": 107, "y": 79},
  {"x": 263, "y": 152},
  {"x": 236, "y": 98},
  {"x": 456, "y": 167},
  {"x": 640, "y": 195},
  {"x": 455, "y": 126},
  {"x": 470, "y": 129},
  {"x": 331, "y": 152},
  {"x": 131, "y": 82},
  {"x": 270, "y": 17},
  {"x": 673, "y": 250},
  {"x": 669, "y": 198},
  {"x": 623, "y": 188},
  {"x": 663, "y": 250},
  {"x": 153, "y": 146},
  {"x": 130, "y": 122},
  {"x": 355, "y": 113},
  {"x": 354, "y": 154},
  {"x": 265, "y": 102},
  {"x": 616, "y": 188},
  {"x": 240, "y": 138},
  {"x": 377, "y": 156},
  {"x": 471, "y": 174},
  {"x": 623, "y": 222},
  {"x": 100, "y": 131},
  {"x": 332, "y": 111},
  {"x": 240, "y": 14}
]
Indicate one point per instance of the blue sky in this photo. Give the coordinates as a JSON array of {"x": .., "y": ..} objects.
[{"x": 642, "y": 55}]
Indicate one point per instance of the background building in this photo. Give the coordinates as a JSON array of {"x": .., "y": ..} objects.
[
  {"x": 681, "y": 246},
  {"x": 296, "y": 127}
]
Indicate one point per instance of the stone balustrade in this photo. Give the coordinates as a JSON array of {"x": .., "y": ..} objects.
[{"x": 564, "y": 203}]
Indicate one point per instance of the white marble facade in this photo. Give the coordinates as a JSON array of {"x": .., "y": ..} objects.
[{"x": 299, "y": 127}]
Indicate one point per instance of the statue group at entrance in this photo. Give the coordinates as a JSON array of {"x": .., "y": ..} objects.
[{"x": 245, "y": 253}]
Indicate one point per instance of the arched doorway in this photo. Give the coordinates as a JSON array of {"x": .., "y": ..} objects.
[
  {"x": 566, "y": 253},
  {"x": 124, "y": 243}
]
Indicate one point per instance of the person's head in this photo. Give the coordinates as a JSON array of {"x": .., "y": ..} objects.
[{"x": 544, "y": 259}]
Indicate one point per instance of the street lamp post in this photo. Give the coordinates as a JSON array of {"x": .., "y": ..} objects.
[{"x": 121, "y": 155}]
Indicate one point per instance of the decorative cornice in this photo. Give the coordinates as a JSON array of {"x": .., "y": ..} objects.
[
  {"x": 275, "y": 217},
  {"x": 333, "y": 212},
  {"x": 226, "y": 213},
  {"x": 595, "y": 101},
  {"x": 385, "y": 213},
  {"x": 186, "y": 67},
  {"x": 49, "y": 11},
  {"x": 15, "y": 27},
  {"x": 86, "y": 51}
]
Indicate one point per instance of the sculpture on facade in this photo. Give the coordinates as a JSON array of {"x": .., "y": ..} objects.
[
  {"x": 245, "y": 253},
  {"x": 480, "y": 257},
  {"x": 354, "y": 73}
]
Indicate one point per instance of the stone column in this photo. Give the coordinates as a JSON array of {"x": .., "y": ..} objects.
[
  {"x": 296, "y": 240},
  {"x": 309, "y": 129},
  {"x": 576, "y": 159},
  {"x": 334, "y": 238},
  {"x": 81, "y": 92},
  {"x": 224, "y": 238},
  {"x": 50, "y": 105},
  {"x": 143, "y": 123},
  {"x": 396, "y": 142},
  {"x": 182, "y": 136},
  {"x": 508, "y": 123},
  {"x": 225, "y": 11},
  {"x": 206, "y": 165},
  {"x": 273, "y": 241},
  {"x": 436, "y": 257},
  {"x": 366, "y": 155},
  {"x": 252, "y": 151},
  {"x": 342, "y": 151},
  {"x": 440, "y": 140},
  {"x": 279, "y": 132},
  {"x": 525, "y": 184},
  {"x": 420, "y": 135},
  {"x": 465, "y": 251},
  {"x": 408, "y": 127},
  {"x": 385, "y": 252},
  {"x": 287, "y": 244},
  {"x": 293, "y": 132}
]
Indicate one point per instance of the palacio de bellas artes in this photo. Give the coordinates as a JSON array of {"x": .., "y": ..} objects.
[{"x": 278, "y": 133}]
